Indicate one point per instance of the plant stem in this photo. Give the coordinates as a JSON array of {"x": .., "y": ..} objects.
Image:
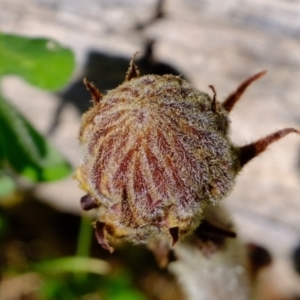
[
  {"x": 84, "y": 243},
  {"x": 84, "y": 237}
]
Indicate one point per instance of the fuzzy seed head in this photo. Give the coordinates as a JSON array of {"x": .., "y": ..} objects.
[{"x": 156, "y": 153}]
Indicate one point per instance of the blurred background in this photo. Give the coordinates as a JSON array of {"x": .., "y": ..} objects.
[{"x": 207, "y": 43}]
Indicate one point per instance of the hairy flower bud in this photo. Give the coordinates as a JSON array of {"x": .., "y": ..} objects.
[{"x": 156, "y": 153}]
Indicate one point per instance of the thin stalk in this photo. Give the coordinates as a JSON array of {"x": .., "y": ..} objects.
[{"x": 84, "y": 242}]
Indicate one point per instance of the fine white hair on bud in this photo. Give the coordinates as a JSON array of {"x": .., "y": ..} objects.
[{"x": 156, "y": 153}]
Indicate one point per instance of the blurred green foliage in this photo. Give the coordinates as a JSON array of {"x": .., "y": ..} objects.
[
  {"x": 42, "y": 62},
  {"x": 45, "y": 64},
  {"x": 25, "y": 150},
  {"x": 114, "y": 287}
]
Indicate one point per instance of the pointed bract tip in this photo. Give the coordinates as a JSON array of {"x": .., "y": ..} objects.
[
  {"x": 133, "y": 70},
  {"x": 252, "y": 150},
  {"x": 88, "y": 203},
  {"x": 214, "y": 100},
  {"x": 174, "y": 232},
  {"x": 95, "y": 93},
  {"x": 233, "y": 98},
  {"x": 100, "y": 235}
]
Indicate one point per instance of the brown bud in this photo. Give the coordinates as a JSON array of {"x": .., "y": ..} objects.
[{"x": 156, "y": 153}]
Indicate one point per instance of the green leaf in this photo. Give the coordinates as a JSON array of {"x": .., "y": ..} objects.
[
  {"x": 55, "y": 288},
  {"x": 120, "y": 287},
  {"x": 7, "y": 186},
  {"x": 73, "y": 264},
  {"x": 25, "y": 150},
  {"x": 42, "y": 62}
]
